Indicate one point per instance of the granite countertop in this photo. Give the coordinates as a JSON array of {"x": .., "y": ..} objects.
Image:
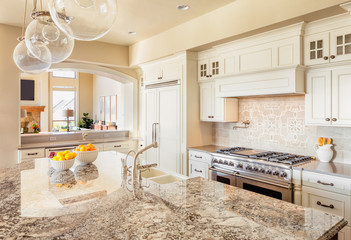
[
  {"x": 54, "y": 144},
  {"x": 335, "y": 169},
  {"x": 207, "y": 148},
  {"x": 97, "y": 201}
]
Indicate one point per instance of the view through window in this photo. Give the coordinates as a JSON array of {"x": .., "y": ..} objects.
[{"x": 62, "y": 100}]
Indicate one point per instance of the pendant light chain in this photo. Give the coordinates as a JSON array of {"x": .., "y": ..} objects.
[{"x": 24, "y": 18}]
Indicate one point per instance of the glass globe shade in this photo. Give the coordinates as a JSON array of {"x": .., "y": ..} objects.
[
  {"x": 27, "y": 62},
  {"x": 43, "y": 30},
  {"x": 84, "y": 20}
]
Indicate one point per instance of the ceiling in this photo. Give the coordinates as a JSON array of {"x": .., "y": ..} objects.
[{"x": 146, "y": 17}]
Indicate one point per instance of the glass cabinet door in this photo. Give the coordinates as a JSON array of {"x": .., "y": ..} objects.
[
  {"x": 317, "y": 49},
  {"x": 340, "y": 44}
]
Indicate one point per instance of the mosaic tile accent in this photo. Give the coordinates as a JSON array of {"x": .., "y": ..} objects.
[{"x": 278, "y": 123}]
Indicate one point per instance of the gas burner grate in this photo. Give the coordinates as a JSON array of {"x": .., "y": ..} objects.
[{"x": 232, "y": 150}]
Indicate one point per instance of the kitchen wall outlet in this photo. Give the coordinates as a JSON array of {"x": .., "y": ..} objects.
[{"x": 52, "y": 138}]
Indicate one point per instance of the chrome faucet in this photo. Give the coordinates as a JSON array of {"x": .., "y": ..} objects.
[{"x": 136, "y": 166}]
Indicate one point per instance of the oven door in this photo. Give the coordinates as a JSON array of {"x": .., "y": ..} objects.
[
  {"x": 222, "y": 176},
  {"x": 275, "y": 190}
]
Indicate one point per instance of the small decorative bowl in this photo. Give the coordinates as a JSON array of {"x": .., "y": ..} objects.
[
  {"x": 62, "y": 165},
  {"x": 86, "y": 157}
]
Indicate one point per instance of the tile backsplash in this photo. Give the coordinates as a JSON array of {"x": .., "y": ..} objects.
[{"x": 278, "y": 123}]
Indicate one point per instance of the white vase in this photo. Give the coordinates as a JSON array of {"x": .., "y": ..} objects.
[{"x": 324, "y": 153}]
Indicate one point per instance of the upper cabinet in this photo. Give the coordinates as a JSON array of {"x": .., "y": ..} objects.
[
  {"x": 328, "y": 40},
  {"x": 167, "y": 70},
  {"x": 216, "y": 109},
  {"x": 328, "y": 97},
  {"x": 271, "y": 50},
  {"x": 209, "y": 68}
]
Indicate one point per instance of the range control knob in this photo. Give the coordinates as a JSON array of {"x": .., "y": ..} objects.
[
  {"x": 215, "y": 160},
  {"x": 248, "y": 167},
  {"x": 261, "y": 170},
  {"x": 268, "y": 171},
  {"x": 255, "y": 169},
  {"x": 283, "y": 174},
  {"x": 239, "y": 165},
  {"x": 226, "y": 162},
  {"x": 275, "y": 173},
  {"x": 220, "y": 161},
  {"x": 231, "y": 164}
]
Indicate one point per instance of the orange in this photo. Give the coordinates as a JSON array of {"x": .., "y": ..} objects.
[
  {"x": 62, "y": 158},
  {"x": 90, "y": 145},
  {"x": 74, "y": 154},
  {"x": 80, "y": 146},
  {"x": 77, "y": 149},
  {"x": 83, "y": 148}
]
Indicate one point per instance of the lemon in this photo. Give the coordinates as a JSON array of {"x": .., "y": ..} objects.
[
  {"x": 65, "y": 152},
  {"x": 60, "y": 154},
  {"x": 62, "y": 158},
  {"x": 83, "y": 148},
  {"x": 56, "y": 158}
]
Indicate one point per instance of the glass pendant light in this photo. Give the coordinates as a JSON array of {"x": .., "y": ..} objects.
[
  {"x": 29, "y": 63},
  {"x": 26, "y": 61},
  {"x": 42, "y": 29},
  {"x": 84, "y": 20}
]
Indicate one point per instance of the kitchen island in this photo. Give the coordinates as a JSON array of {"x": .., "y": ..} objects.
[{"x": 97, "y": 201}]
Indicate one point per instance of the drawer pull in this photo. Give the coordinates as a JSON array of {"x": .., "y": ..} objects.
[
  {"x": 199, "y": 171},
  {"x": 117, "y": 146},
  {"x": 31, "y": 154},
  {"x": 198, "y": 156},
  {"x": 331, "y": 206},
  {"x": 323, "y": 183}
]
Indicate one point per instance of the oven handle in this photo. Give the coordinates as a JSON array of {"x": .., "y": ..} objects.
[
  {"x": 221, "y": 171},
  {"x": 258, "y": 180},
  {"x": 60, "y": 148}
]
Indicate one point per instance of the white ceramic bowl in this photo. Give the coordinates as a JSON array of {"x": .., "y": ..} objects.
[
  {"x": 86, "y": 157},
  {"x": 62, "y": 165}
]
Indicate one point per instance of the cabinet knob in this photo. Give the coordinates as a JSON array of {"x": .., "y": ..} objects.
[
  {"x": 332, "y": 57},
  {"x": 334, "y": 119},
  {"x": 327, "y": 119},
  {"x": 325, "y": 57}
]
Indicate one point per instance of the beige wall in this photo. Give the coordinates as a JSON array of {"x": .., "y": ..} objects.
[
  {"x": 85, "y": 94},
  {"x": 236, "y": 18},
  {"x": 9, "y": 96}
]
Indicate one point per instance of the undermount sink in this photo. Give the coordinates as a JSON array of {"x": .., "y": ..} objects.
[
  {"x": 152, "y": 172},
  {"x": 165, "y": 179}
]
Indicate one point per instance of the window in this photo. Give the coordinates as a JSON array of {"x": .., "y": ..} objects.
[
  {"x": 64, "y": 74},
  {"x": 62, "y": 100}
]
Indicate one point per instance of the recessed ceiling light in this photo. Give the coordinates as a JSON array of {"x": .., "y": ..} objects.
[
  {"x": 132, "y": 33},
  {"x": 183, "y": 7}
]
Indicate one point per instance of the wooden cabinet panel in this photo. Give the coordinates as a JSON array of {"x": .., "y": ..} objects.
[
  {"x": 318, "y": 98},
  {"x": 341, "y": 97},
  {"x": 254, "y": 61},
  {"x": 317, "y": 48},
  {"x": 198, "y": 169},
  {"x": 340, "y": 44},
  {"x": 332, "y": 203},
  {"x": 205, "y": 101},
  {"x": 28, "y": 154}
]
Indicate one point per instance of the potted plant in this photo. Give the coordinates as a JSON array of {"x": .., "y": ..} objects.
[
  {"x": 86, "y": 122},
  {"x": 35, "y": 128}
]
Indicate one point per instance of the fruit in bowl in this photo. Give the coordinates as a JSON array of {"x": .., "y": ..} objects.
[
  {"x": 86, "y": 154},
  {"x": 63, "y": 160}
]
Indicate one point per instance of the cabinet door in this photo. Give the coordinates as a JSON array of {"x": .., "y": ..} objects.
[
  {"x": 205, "y": 101},
  {"x": 171, "y": 71},
  {"x": 198, "y": 169},
  {"x": 169, "y": 128},
  {"x": 150, "y": 118},
  {"x": 341, "y": 97},
  {"x": 318, "y": 98},
  {"x": 217, "y": 105},
  {"x": 317, "y": 48},
  {"x": 340, "y": 44},
  {"x": 203, "y": 69},
  {"x": 152, "y": 74},
  {"x": 345, "y": 233},
  {"x": 216, "y": 67}
]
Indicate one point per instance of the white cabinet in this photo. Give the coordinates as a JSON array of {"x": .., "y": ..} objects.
[
  {"x": 330, "y": 194},
  {"x": 199, "y": 164},
  {"x": 165, "y": 71},
  {"x": 122, "y": 147},
  {"x": 330, "y": 46},
  {"x": 210, "y": 67},
  {"x": 328, "y": 97},
  {"x": 162, "y": 107},
  {"x": 99, "y": 146},
  {"x": 215, "y": 109},
  {"x": 29, "y": 154}
]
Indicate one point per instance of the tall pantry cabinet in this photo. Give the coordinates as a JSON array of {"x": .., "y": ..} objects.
[{"x": 170, "y": 101}]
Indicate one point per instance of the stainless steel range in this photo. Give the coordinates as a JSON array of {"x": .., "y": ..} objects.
[{"x": 265, "y": 172}]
